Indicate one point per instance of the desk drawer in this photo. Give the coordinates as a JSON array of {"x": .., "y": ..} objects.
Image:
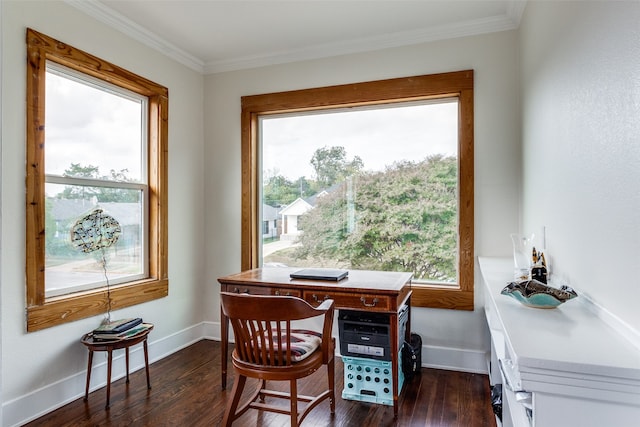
[
  {"x": 261, "y": 290},
  {"x": 352, "y": 301}
]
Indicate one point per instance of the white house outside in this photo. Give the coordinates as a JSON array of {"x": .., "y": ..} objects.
[
  {"x": 290, "y": 215},
  {"x": 270, "y": 226}
]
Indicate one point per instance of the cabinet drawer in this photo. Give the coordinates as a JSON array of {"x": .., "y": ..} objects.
[
  {"x": 353, "y": 301},
  {"x": 261, "y": 290}
]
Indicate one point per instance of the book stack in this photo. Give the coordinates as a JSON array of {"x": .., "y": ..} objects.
[{"x": 120, "y": 329}]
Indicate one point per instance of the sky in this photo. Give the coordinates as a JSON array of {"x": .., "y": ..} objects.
[
  {"x": 378, "y": 136},
  {"x": 92, "y": 127},
  {"x": 95, "y": 127}
]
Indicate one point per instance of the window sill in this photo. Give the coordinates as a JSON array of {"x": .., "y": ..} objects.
[
  {"x": 438, "y": 297},
  {"x": 59, "y": 310}
]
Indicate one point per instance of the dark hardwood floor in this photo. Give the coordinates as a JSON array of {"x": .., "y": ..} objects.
[{"x": 186, "y": 392}]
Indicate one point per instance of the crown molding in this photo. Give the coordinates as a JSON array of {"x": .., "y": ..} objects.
[
  {"x": 509, "y": 21},
  {"x": 123, "y": 24},
  {"x": 408, "y": 38},
  {"x": 515, "y": 10}
]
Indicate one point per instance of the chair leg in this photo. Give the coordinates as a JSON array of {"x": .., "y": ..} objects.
[
  {"x": 294, "y": 403},
  {"x": 230, "y": 412},
  {"x": 332, "y": 391}
]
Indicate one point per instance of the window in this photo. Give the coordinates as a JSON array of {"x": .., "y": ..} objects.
[
  {"x": 370, "y": 188},
  {"x": 95, "y": 158},
  {"x": 328, "y": 213},
  {"x": 96, "y": 142}
]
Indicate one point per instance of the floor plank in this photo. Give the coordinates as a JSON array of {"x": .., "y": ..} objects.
[{"x": 186, "y": 392}]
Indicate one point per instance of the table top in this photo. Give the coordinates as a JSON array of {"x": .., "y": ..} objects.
[
  {"x": 88, "y": 340},
  {"x": 380, "y": 282},
  {"x": 569, "y": 339}
]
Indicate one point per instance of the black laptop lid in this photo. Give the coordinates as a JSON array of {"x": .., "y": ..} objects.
[{"x": 320, "y": 274}]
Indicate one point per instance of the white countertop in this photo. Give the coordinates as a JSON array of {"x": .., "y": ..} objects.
[{"x": 569, "y": 344}]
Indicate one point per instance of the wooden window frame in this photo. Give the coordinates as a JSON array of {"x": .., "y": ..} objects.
[
  {"x": 45, "y": 312},
  {"x": 457, "y": 84}
]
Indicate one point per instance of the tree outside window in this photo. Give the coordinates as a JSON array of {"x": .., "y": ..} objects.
[{"x": 394, "y": 211}]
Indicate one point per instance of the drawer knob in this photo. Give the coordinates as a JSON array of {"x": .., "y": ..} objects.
[
  {"x": 278, "y": 293},
  {"x": 372, "y": 304},
  {"x": 316, "y": 299},
  {"x": 237, "y": 291}
]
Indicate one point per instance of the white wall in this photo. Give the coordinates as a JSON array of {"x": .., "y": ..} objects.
[
  {"x": 581, "y": 142},
  {"x": 579, "y": 63},
  {"x": 46, "y": 368},
  {"x": 1, "y": 242},
  {"x": 497, "y": 161},
  {"x": 204, "y": 185}
]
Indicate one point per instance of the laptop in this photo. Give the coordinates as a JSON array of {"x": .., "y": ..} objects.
[{"x": 320, "y": 274}]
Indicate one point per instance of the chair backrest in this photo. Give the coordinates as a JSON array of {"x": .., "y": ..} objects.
[{"x": 262, "y": 326}]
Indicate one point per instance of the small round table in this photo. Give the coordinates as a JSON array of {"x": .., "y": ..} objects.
[{"x": 109, "y": 346}]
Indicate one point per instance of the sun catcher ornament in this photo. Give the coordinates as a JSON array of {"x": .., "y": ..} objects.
[{"x": 95, "y": 231}]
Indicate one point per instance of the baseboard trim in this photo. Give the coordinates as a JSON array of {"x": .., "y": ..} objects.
[
  {"x": 454, "y": 359},
  {"x": 53, "y": 396}
]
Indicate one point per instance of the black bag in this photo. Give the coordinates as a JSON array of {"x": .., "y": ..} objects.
[
  {"x": 412, "y": 356},
  {"x": 496, "y": 400}
]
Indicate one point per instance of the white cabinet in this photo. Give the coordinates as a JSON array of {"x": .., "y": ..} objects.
[{"x": 559, "y": 367}]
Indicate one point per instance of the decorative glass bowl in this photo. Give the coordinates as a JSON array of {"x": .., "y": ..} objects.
[{"x": 536, "y": 294}]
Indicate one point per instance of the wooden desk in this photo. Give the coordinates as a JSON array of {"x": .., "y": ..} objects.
[
  {"x": 109, "y": 346},
  {"x": 379, "y": 291}
]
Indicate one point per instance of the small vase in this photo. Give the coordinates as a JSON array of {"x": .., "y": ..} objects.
[{"x": 522, "y": 248}]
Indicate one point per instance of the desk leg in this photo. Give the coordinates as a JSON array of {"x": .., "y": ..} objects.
[
  {"x": 109, "y": 363},
  {"x": 407, "y": 332},
  {"x": 146, "y": 362},
  {"x": 86, "y": 390},
  {"x": 224, "y": 331},
  {"x": 393, "y": 320},
  {"x": 395, "y": 362}
]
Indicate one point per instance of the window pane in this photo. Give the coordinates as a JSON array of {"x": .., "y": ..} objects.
[
  {"x": 373, "y": 188},
  {"x": 68, "y": 268},
  {"x": 92, "y": 125}
]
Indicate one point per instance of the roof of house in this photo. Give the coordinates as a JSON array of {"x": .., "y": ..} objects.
[
  {"x": 269, "y": 213},
  {"x": 72, "y": 209},
  {"x": 297, "y": 207}
]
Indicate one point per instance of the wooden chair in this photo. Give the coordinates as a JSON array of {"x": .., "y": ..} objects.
[{"x": 269, "y": 349}]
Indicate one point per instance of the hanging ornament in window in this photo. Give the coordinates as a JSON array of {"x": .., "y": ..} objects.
[{"x": 96, "y": 232}]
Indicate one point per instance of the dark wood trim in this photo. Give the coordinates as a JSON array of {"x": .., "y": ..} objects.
[
  {"x": 46, "y": 312},
  {"x": 61, "y": 53},
  {"x": 445, "y": 85},
  {"x": 55, "y": 311}
]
